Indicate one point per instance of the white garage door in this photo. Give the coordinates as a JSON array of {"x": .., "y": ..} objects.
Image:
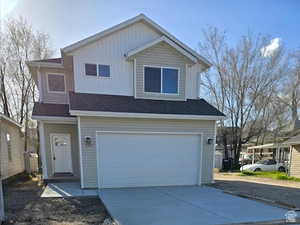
[{"x": 143, "y": 159}]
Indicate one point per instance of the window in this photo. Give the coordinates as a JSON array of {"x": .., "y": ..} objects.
[
  {"x": 56, "y": 82},
  {"x": 8, "y": 142},
  {"x": 152, "y": 79},
  {"x": 91, "y": 69},
  {"x": 170, "y": 81},
  {"x": 104, "y": 70},
  {"x": 97, "y": 70},
  {"x": 161, "y": 80}
]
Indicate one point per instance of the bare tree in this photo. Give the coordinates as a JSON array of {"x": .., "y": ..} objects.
[
  {"x": 20, "y": 43},
  {"x": 242, "y": 83},
  {"x": 290, "y": 93}
]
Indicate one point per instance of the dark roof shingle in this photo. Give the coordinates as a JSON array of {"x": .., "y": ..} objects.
[
  {"x": 293, "y": 140},
  {"x": 117, "y": 103},
  {"x": 45, "y": 109}
]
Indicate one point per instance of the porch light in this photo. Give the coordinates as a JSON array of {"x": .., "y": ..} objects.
[
  {"x": 209, "y": 141},
  {"x": 88, "y": 140}
]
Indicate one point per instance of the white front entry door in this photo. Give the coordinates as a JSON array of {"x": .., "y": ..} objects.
[
  {"x": 145, "y": 159},
  {"x": 61, "y": 153}
]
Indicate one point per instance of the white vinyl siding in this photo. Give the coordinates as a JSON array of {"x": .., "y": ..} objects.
[
  {"x": 90, "y": 125},
  {"x": 111, "y": 50}
]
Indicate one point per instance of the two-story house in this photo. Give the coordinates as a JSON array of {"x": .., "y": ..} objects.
[{"x": 122, "y": 109}]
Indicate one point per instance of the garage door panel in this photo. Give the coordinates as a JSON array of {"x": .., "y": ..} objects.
[{"x": 127, "y": 160}]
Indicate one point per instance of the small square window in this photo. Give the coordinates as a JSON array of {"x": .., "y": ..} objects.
[
  {"x": 104, "y": 70},
  {"x": 90, "y": 69},
  {"x": 56, "y": 82}
]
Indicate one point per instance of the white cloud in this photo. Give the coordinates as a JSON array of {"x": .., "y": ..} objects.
[{"x": 269, "y": 49}]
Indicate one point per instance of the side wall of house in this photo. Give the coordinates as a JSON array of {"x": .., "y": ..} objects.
[
  {"x": 89, "y": 126},
  {"x": 295, "y": 161},
  {"x": 16, "y": 164},
  {"x": 64, "y": 129}
]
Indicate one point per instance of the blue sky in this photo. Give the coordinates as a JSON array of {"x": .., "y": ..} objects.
[{"x": 68, "y": 21}]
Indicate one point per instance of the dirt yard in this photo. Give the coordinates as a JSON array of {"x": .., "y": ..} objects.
[
  {"x": 25, "y": 206},
  {"x": 284, "y": 193}
]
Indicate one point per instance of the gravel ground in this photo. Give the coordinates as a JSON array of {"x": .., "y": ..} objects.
[
  {"x": 284, "y": 193},
  {"x": 25, "y": 206}
]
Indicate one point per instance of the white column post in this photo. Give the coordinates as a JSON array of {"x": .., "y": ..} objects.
[
  {"x": 43, "y": 149},
  {"x": 80, "y": 152}
]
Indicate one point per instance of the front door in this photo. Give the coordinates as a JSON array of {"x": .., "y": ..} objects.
[{"x": 61, "y": 153}]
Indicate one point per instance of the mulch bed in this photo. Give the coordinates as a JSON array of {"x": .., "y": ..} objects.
[{"x": 23, "y": 205}]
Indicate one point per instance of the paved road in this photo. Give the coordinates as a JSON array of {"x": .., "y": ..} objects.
[{"x": 286, "y": 193}]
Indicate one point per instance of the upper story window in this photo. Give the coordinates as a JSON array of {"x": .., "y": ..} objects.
[
  {"x": 90, "y": 69},
  {"x": 161, "y": 80},
  {"x": 56, "y": 82},
  {"x": 104, "y": 70},
  {"x": 94, "y": 70},
  {"x": 8, "y": 142}
]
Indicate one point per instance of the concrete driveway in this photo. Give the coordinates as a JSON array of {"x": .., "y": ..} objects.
[{"x": 188, "y": 205}]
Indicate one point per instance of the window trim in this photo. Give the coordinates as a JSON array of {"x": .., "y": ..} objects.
[
  {"x": 9, "y": 150},
  {"x": 98, "y": 72},
  {"x": 56, "y": 92},
  {"x": 161, "y": 93},
  {"x": 97, "y": 68},
  {"x": 88, "y": 75}
]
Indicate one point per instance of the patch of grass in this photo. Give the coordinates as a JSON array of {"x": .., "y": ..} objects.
[
  {"x": 270, "y": 174},
  {"x": 248, "y": 173}
]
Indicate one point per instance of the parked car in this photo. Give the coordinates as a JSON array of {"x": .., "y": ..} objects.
[
  {"x": 265, "y": 165},
  {"x": 247, "y": 159}
]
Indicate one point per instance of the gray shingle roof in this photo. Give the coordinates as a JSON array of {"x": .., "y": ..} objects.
[
  {"x": 293, "y": 140},
  {"x": 45, "y": 109},
  {"x": 117, "y": 103}
]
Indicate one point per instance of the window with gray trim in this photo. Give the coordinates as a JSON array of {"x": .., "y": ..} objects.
[
  {"x": 56, "y": 82},
  {"x": 161, "y": 80},
  {"x": 97, "y": 70},
  {"x": 8, "y": 142},
  {"x": 103, "y": 70},
  {"x": 90, "y": 69}
]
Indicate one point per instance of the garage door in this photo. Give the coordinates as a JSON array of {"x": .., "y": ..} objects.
[{"x": 144, "y": 159}]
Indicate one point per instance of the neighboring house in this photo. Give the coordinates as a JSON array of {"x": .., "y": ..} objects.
[
  {"x": 294, "y": 161},
  {"x": 122, "y": 109},
  {"x": 11, "y": 148}
]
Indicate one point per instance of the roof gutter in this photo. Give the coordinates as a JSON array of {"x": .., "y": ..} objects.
[
  {"x": 144, "y": 115},
  {"x": 43, "y": 64}
]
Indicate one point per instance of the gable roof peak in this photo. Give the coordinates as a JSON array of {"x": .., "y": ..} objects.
[{"x": 138, "y": 18}]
